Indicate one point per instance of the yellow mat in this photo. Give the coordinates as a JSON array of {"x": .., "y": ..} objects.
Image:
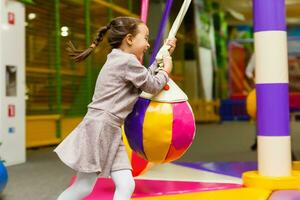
[{"x": 233, "y": 194}]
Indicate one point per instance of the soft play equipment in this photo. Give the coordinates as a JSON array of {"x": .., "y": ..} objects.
[
  {"x": 162, "y": 127},
  {"x": 274, "y": 178},
  {"x": 138, "y": 164},
  {"x": 3, "y": 176},
  {"x": 160, "y": 132},
  {"x": 251, "y": 104},
  {"x": 272, "y": 98}
]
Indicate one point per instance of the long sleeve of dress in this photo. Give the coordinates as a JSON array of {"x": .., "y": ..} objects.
[
  {"x": 143, "y": 78},
  {"x": 153, "y": 67}
]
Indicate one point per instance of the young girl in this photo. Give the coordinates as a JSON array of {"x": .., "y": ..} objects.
[{"x": 95, "y": 148}]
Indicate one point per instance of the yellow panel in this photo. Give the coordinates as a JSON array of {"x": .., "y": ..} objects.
[
  {"x": 42, "y": 117},
  {"x": 234, "y": 194},
  {"x": 40, "y": 132},
  {"x": 296, "y": 165},
  {"x": 40, "y": 143},
  {"x": 157, "y": 131},
  {"x": 68, "y": 124},
  {"x": 41, "y": 129}
]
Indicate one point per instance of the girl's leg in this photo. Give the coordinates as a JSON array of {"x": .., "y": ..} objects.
[
  {"x": 124, "y": 183},
  {"x": 82, "y": 187}
]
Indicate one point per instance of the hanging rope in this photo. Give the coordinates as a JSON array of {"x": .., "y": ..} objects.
[{"x": 164, "y": 49}]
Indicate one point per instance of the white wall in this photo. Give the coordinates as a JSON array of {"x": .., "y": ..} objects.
[{"x": 12, "y": 52}]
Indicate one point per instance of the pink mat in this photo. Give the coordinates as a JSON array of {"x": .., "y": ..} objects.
[{"x": 104, "y": 188}]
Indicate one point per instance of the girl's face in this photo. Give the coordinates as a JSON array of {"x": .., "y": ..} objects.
[{"x": 140, "y": 44}]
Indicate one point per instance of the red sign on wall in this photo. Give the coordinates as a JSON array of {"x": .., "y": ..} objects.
[
  {"x": 11, "y": 18},
  {"x": 11, "y": 111}
]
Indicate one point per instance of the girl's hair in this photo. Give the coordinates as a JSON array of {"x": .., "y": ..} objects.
[{"x": 117, "y": 29}]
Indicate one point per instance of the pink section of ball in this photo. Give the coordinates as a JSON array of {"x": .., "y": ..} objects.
[{"x": 183, "y": 125}]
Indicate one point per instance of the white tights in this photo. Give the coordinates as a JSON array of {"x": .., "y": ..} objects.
[{"x": 85, "y": 183}]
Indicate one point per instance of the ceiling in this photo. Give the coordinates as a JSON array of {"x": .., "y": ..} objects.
[{"x": 244, "y": 7}]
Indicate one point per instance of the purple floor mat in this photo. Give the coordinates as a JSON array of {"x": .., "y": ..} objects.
[{"x": 235, "y": 169}]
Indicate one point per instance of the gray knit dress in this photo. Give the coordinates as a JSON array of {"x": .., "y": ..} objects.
[{"x": 95, "y": 145}]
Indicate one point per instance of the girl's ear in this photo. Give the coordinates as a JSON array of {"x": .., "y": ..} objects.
[{"x": 129, "y": 39}]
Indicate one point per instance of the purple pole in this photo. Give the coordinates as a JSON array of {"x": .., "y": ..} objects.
[
  {"x": 161, "y": 29},
  {"x": 273, "y": 130}
]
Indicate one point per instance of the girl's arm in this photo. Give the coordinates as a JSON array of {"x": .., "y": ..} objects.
[
  {"x": 143, "y": 78},
  {"x": 153, "y": 67},
  {"x": 172, "y": 43}
]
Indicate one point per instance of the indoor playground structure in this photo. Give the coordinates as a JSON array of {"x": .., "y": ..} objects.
[
  {"x": 273, "y": 177},
  {"x": 161, "y": 128}
]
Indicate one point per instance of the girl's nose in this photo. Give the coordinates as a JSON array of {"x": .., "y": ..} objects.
[{"x": 148, "y": 45}]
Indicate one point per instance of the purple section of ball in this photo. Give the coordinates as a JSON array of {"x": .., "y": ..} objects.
[
  {"x": 133, "y": 125},
  {"x": 272, "y": 109},
  {"x": 269, "y": 15}
]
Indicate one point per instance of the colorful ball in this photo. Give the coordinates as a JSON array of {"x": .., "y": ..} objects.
[
  {"x": 138, "y": 164},
  {"x": 160, "y": 132},
  {"x": 251, "y": 104},
  {"x": 3, "y": 176}
]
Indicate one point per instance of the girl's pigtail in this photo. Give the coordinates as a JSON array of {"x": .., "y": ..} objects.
[{"x": 80, "y": 55}]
